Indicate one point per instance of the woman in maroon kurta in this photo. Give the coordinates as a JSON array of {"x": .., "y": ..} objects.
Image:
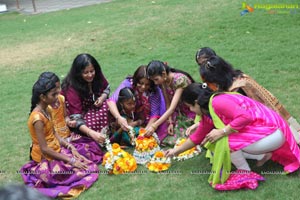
[{"x": 86, "y": 89}]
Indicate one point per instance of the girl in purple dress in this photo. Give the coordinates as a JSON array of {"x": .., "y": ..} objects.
[
  {"x": 172, "y": 82},
  {"x": 86, "y": 89},
  {"x": 56, "y": 168},
  {"x": 149, "y": 101}
]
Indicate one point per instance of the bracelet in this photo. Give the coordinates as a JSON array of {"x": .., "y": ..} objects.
[
  {"x": 72, "y": 161},
  {"x": 224, "y": 132},
  {"x": 153, "y": 126}
]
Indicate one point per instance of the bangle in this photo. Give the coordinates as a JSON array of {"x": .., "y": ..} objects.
[
  {"x": 72, "y": 161},
  {"x": 224, "y": 132},
  {"x": 153, "y": 126}
]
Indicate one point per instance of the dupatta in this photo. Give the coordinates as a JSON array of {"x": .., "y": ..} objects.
[{"x": 221, "y": 162}]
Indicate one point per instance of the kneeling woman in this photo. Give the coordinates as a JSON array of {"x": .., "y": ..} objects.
[
  {"x": 235, "y": 127},
  {"x": 54, "y": 170}
]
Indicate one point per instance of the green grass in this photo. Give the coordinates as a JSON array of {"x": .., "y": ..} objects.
[{"x": 125, "y": 34}]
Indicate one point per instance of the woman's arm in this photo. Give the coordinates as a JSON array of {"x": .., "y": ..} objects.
[
  {"x": 98, "y": 137},
  {"x": 111, "y": 102},
  {"x": 115, "y": 112},
  {"x": 169, "y": 112},
  {"x": 178, "y": 150},
  {"x": 231, "y": 109}
]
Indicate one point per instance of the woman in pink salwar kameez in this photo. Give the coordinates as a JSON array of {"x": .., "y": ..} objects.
[{"x": 242, "y": 127}]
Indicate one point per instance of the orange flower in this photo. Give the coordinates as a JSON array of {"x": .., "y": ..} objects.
[
  {"x": 159, "y": 154},
  {"x": 142, "y": 131}
]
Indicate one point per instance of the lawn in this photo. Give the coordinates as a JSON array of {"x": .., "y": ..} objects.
[{"x": 124, "y": 34}]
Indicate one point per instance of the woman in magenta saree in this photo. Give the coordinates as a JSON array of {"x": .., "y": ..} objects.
[{"x": 86, "y": 89}]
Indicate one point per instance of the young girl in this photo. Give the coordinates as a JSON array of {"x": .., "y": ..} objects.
[
  {"x": 86, "y": 146},
  {"x": 235, "y": 127},
  {"x": 126, "y": 105},
  {"x": 56, "y": 168},
  {"x": 149, "y": 100},
  {"x": 172, "y": 82}
]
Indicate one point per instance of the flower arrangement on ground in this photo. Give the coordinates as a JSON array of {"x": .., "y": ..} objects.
[
  {"x": 145, "y": 147},
  {"x": 118, "y": 161},
  {"x": 190, "y": 153},
  {"x": 159, "y": 162}
]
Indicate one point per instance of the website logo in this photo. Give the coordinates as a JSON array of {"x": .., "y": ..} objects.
[
  {"x": 246, "y": 8},
  {"x": 271, "y": 8}
]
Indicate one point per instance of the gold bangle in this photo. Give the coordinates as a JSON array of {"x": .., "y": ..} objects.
[{"x": 153, "y": 126}]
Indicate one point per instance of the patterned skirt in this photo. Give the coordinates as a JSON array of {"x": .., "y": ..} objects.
[
  {"x": 58, "y": 179},
  {"x": 87, "y": 147}
]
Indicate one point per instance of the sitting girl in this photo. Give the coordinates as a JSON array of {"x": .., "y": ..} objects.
[
  {"x": 86, "y": 146},
  {"x": 126, "y": 106},
  {"x": 56, "y": 168}
]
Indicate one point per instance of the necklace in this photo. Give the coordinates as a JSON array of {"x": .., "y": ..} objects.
[{"x": 43, "y": 111}]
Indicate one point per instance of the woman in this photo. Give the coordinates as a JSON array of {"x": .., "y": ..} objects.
[
  {"x": 172, "y": 82},
  {"x": 220, "y": 76},
  {"x": 149, "y": 101},
  {"x": 86, "y": 89},
  {"x": 56, "y": 168},
  {"x": 245, "y": 128}
]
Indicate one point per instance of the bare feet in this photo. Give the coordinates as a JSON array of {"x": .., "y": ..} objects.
[{"x": 266, "y": 157}]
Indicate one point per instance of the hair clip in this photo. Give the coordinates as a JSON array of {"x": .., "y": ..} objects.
[
  {"x": 208, "y": 65},
  {"x": 204, "y": 85}
]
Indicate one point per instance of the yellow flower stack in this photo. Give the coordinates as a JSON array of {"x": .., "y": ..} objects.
[
  {"x": 145, "y": 147},
  {"x": 118, "y": 161},
  {"x": 159, "y": 162},
  {"x": 190, "y": 153}
]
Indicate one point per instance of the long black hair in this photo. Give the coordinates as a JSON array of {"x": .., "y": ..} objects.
[
  {"x": 216, "y": 70},
  {"x": 41, "y": 86},
  {"x": 198, "y": 92},
  {"x": 74, "y": 77},
  {"x": 156, "y": 67}
]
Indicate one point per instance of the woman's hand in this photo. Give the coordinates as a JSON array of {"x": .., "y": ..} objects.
[
  {"x": 71, "y": 123},
  {"x": 98, "y": 137},
  {"x": 150, "y": 130},
  {"x": 213, "y": 136},
  {"x": 123, "y": 123},
  {"x": 170, "y": 153},
  {"x": 78, "y": 156},
  {"x": 78, "y": 163},
  {"x": 99, "y": 101},
  {"x": 191, "y": 129}
]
